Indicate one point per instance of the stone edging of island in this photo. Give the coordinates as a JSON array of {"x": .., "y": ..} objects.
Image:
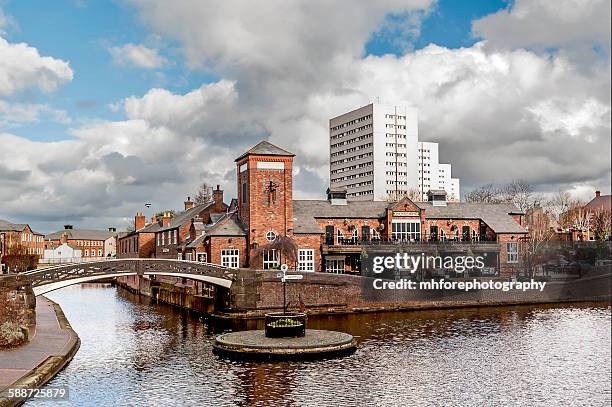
[{"x": 51, "y": 366}]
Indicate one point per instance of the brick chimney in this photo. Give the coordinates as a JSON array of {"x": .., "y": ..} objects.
[
  {"x": 218, "y": 196},
  {"x": 166, "y": 219},
  {"x": 139, "y": 221},
  {"x": 597, "y": 194},
  {"x": 188, "y": 203},
  {"x": 64, "y": 238}
]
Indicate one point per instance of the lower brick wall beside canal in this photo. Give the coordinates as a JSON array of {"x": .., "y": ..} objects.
[{"x": 255, "y": 293}]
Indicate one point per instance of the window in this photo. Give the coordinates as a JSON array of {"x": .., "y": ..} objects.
[
  {"x": 99, "y": 253},
  {"x": 355, "y": 236},
  {"x": 474, "y": 235},
  {"x": 175, "y": 236},
  {"x": 270, "y": 259},
  {"x": 375, "y": 234},
  {"x": 406, "y": 230},
  {"x": 334, "y": 266},
  {"x": 306, "y": 259},
  {"x": 188, "y": 256},
  {"x": 163, "y": 239},
  {"x": 86, "y": 252},
  {"x": 202, "y": 257},
  {"x": 244, "y": 192},
  {"x": 339, "y": 237},
  {"x": 512, "y": 252},
  {"x": 270, "y": 236},
  {"x": 229, "y": 258},
  {"x": 179, "y": 256}
]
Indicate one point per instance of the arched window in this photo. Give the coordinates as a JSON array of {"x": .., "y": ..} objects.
[
  {"x": 442, "y": 235},
  {"x": 375, "y": 234},
  {"x": 355, "y": 236},
  {"x": 474, "y": 236}
]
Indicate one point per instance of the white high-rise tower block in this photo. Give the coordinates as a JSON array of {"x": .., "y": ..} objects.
[{"x": 375, "y": 154}]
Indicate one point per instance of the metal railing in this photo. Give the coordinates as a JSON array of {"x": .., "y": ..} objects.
[{"x": 367, "y": 240}]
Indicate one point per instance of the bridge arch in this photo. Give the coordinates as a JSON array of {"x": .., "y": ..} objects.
[{"x": 54, "y": 278}]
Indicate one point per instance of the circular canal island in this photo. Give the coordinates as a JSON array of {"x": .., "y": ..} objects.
[{"x": 254, "y": 344}]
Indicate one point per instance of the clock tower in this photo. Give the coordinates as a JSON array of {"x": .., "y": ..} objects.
[{"x": 265, "y": 193}]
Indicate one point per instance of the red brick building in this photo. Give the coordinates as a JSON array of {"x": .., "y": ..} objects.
[
  {"x": 330, "y": 233},
  {"x": 12, "y": 234}
]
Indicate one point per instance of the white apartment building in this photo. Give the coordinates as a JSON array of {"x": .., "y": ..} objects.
[{"x": 375, "y": 154}]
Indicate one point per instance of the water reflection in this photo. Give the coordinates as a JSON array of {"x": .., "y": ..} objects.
[{"x": 138, "y": 353}]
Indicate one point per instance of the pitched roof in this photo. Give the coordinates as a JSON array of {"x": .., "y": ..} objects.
[
  {"x": 183, "y": 217},
  {"x": 266, "y": 148},
  {"x": 228, "y": 226},
  {"x": 82, "y": 234},
  {"x": 495, "y": 215},
  {"x": 600, "y": 202},
  {"x": 7, "y": 226}
]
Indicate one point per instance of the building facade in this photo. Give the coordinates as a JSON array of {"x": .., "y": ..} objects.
[
  {"x": 375, "y": 154},
  {"x": 330, "y": 234},
  {"x": 94, "y": 244},
  {"x": 20, "y": 234}
]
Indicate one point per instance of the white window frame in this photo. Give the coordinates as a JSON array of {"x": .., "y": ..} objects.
[
  {"x": 230, "y": 258},
  {"x": 406, "y": 233},
  {"x": 270, "y": 259},
  {"x": 86, "y": 252},
  {"x": 99, "y": 252},
  {"x": 201, "y": 255},
  {"x": 513, "y": 252},
  {"x": 355, "y": 235},
  {"x": 335, "y": 266},
  {"x": 306, "y": 260},
  {"x": 339, "y": 236},
  {"x": 175, "y": 235}
]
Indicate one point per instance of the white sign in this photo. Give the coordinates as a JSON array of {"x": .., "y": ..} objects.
[
  {"x": 284, "y": 268},
  {"x": 293, "y": 277}
]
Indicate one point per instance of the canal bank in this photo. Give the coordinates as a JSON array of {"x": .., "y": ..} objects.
[{"x": 52, "y": 345}]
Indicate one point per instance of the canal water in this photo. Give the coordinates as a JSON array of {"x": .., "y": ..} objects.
[{"x": 135, "y": 353}]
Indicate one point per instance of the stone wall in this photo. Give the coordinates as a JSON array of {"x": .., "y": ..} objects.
[{"x": 17, "y": 302}]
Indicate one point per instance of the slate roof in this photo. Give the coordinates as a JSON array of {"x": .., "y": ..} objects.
[
  {"x": 7, "y": 226},
  {"x": 495, "y": 215},
  {"x": 228, "y": 225},
  {"x": 82, "y": 234},
  {"x": 266, "y": 148},
  {"x": 183, "y": 217},
  {"x": 599, "y": 202}
]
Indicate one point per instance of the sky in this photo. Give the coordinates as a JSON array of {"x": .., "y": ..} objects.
[{"x": 108, "y": 105}]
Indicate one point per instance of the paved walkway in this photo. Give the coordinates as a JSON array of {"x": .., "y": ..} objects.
[{"x": 49, "y": 339}]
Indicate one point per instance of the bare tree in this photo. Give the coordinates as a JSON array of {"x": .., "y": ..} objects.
[
  {"x": 413, "y": 194},
  {"x": 601, "y": 223},
  {"x": 559, "y": 203},
  {"x": 576, "y": 217},
  {"x": 521, "y": 194},
  {"x": 284, "y": 246},
  {"x": 484, "y": 194},
  {"x": 131, "y": 227},
  {"x": 540, "y": 229},
  {"x": 204, "y": 194}
]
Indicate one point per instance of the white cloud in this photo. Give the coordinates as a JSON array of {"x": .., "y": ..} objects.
[
  {"x": 547, "y": 24},
  {"x": 15, "y": 114},
  {"x": 137, "y": 55},
  {"x": 499, "y": 112},
  {"x": 22, "y": 67}
]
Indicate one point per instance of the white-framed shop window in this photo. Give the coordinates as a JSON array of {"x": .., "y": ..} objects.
[
  {"x": 306, "y": 259},
  {"x": 202, "y": 257},
  {"x": 334, "y": 266}
]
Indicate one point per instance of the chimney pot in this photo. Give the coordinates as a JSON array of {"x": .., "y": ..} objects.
[{"x": 597, "y": 194}]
